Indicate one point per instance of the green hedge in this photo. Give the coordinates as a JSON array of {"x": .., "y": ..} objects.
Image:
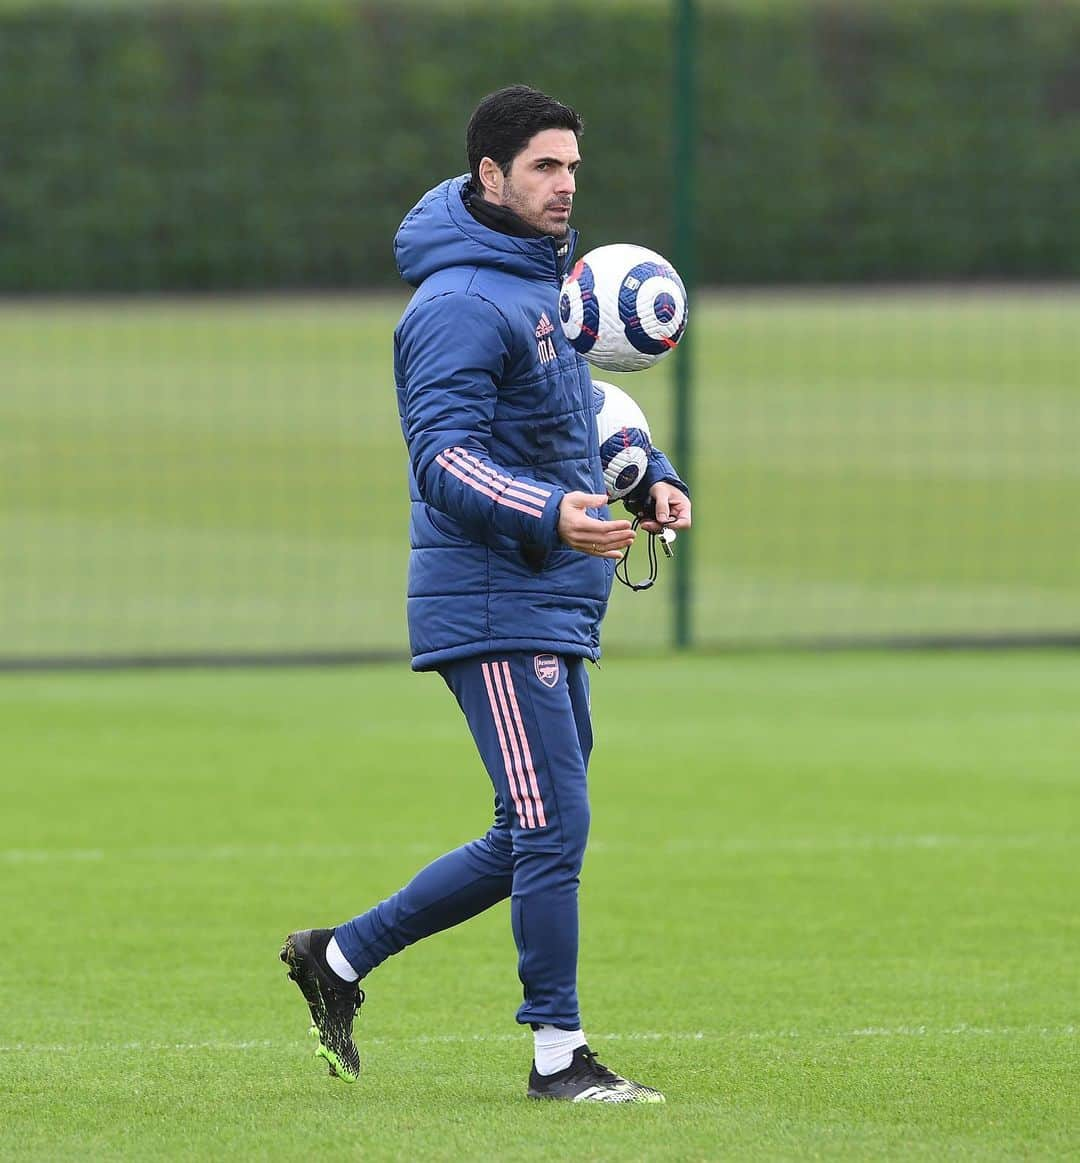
[{"x": 265, "y": 144}]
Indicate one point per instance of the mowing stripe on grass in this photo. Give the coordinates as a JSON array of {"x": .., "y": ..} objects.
[
  {"x": 237, "y": 852},
  {"x": 961, "y": 1030},
  {"x": 417, "y": 1040}
]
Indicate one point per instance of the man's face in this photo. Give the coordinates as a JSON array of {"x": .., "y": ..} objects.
[{"x": 540, "y": 186}]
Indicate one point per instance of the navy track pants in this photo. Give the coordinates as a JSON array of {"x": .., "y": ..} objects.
[{"x": 529, "y": 715}]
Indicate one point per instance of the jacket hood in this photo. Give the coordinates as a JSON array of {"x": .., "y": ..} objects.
[{"x": 439, "y": 232}]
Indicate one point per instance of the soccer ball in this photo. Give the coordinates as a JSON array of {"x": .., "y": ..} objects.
[
  {"x": 624, "y": 437},
  {"x": 623, "y": 307}
]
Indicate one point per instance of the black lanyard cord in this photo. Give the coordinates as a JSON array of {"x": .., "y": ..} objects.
[{"x": 622, "y": 571}]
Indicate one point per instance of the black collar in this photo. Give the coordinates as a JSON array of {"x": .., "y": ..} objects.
[
  {"x": 496, "y": 217},
  {"x": 505, "y": 221}
]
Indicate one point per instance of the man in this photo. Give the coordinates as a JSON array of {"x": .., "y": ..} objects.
[{"x": 509, "y": 575}]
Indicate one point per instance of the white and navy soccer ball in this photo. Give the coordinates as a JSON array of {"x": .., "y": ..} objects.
[
  {"x": 623, "y": 307},
  {"x": 624, "y": 437}
]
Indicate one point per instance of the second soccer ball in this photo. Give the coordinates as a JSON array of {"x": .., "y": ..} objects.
[{"x": 624, "y": 438}]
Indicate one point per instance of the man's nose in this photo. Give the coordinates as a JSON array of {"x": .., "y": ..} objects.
[{"x": 566, "y": 183}]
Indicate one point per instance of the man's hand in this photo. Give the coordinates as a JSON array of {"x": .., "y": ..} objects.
[
  {"x": 672, "y": 508},
  {"x": 591, "y": 535}
]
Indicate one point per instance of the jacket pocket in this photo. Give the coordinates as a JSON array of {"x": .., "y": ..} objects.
[{"x": 445, "y": 528}]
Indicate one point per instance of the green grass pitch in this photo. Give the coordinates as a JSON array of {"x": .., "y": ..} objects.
[
  {"x": 830, "y": 906},
  {"x": 194, "y": 475}
]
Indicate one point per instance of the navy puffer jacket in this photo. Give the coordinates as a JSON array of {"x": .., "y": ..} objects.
[{"x": 497, "y": 412}]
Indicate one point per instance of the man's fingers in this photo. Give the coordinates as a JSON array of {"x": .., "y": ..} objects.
[
  {"x": 591, "y": 527},
  {"x": 677, "y": 519},
  {"x": 591, "y": 534},
  {"x": 602, "y": 541},
  {"x": 585, "y": 500}
]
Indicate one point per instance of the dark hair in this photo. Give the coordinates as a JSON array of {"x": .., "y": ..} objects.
[{"x": 504, "y": 123}]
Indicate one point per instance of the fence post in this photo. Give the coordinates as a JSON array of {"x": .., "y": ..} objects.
[{"x": 683, "y": 161}]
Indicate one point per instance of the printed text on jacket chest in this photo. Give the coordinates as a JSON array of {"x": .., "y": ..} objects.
[{"x": 545, "y": 348}]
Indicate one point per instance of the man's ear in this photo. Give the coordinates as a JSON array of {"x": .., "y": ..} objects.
[{"x": 491, "y": 177}]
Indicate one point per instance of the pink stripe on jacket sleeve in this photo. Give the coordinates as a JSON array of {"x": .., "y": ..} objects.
[{"x": 505, "y": 495}]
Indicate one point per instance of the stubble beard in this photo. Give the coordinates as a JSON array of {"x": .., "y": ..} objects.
[{"x": 512, "y": 200}]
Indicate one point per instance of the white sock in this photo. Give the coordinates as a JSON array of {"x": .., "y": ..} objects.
[
  {"x": 336, "y": 960},
  {"x": 553, "y": 1049}
]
